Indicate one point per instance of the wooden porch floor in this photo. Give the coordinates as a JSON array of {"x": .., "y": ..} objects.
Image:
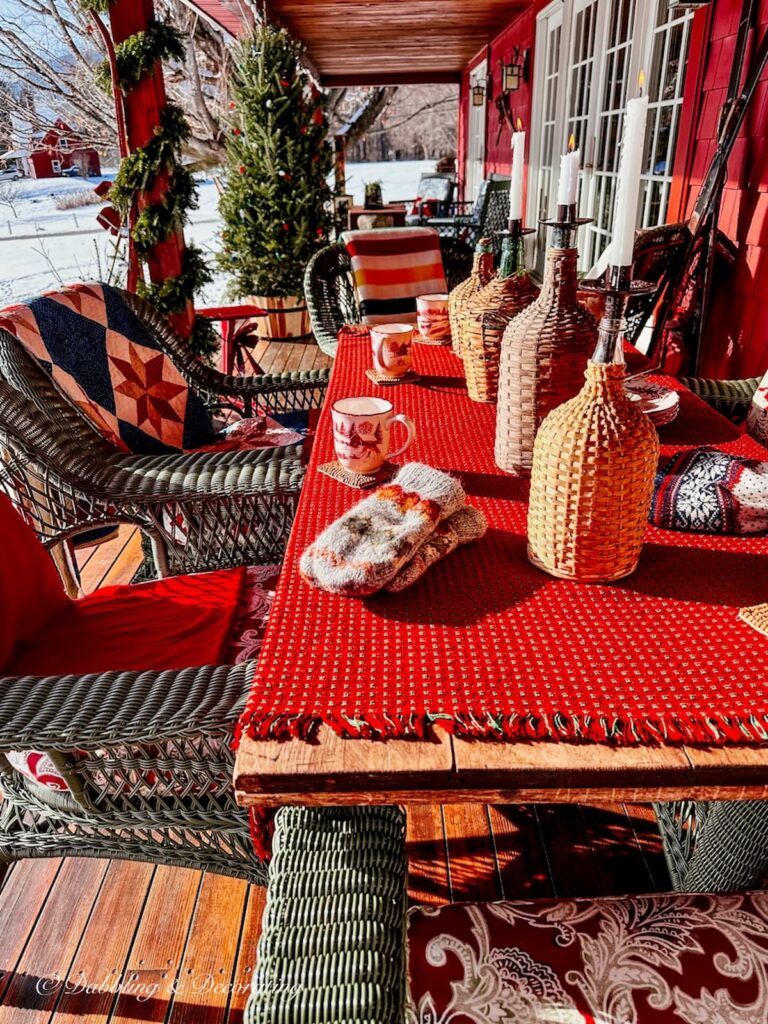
[{"x": 119, "y": 942}]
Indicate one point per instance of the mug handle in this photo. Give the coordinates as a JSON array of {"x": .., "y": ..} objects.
[
  {"x": 378, "y": 354},
  {"x": 409, "y": 426}
]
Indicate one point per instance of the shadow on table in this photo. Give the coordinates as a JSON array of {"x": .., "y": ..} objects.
[
  {"x": 493, "y": 485},
  {"x": 439, "y": 382},
  {"x": 733, "y": 579},
  {"x": 465, "y": 587}
]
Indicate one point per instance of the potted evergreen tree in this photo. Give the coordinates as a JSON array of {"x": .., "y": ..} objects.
[{"x": 277, "y": 203}]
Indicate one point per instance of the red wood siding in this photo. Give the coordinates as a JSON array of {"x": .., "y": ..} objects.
[{"x": 736, "y": 340}]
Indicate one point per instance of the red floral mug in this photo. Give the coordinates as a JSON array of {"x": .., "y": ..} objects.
[
  {"x": 432, "y": 317},
  {"x": 361, "y": 429},
  {"x": 392, "y": 349}
]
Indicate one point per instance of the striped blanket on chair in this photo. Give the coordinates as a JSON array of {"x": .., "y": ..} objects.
[{"x": 391, "y": 267}]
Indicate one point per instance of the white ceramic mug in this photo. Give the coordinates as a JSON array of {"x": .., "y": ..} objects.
[
  {"x": 432, "y": 316},
  {"x": 392, "y": 348},
  {"x": 361, "y": 429}
]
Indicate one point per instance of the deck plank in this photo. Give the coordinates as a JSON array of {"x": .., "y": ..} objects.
[
  {"x": 245, "y": 962},
  {"x": 152, "y": 969},
  {"x": 428, "y": 879},
  {"x": 35, "y": 984},
  {"x": 23, "y": 897},
  {"x": 520, "y": 854},
  {"x": 96, "y": 972},
  {"x": 203, "y": 991}
]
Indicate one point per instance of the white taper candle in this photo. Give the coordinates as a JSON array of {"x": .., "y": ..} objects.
[
  {"x": 628, "y": 187},
  {"x": 516, "y": 182}
]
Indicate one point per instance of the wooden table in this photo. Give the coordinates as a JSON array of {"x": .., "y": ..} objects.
[
  {"x": 394, "y": 212},
  {"x": 448, "y": 768}
]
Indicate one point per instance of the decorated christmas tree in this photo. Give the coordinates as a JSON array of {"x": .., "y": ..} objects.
[{"x": 276, "y": 205}]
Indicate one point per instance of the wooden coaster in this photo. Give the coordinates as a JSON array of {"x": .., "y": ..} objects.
[
  {"x": 381, "y": 378},
  {"x": 360, "y": 481},
  {"x": 421, "y": 340},
  {"x": 756, "y": 616}
]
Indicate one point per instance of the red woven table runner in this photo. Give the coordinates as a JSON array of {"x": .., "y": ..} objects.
[{"x": 487, "y": 645}]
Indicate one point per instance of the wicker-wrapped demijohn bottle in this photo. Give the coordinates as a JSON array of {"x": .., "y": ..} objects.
[
  {"x": 594, "y": 463},
  {"x": 543, "y": 355},
  {"x": 490, "y": 311},
  {"x": 462, "y": 295}
]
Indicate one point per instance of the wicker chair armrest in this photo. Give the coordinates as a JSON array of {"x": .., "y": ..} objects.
[
  {"x": 102, "y": 709},
  {"x": 204, "y": 377},
  {"x": 448, "y": 221},
  {"x": 195, "y": 476},
  {"x": 731, "y": 394}
]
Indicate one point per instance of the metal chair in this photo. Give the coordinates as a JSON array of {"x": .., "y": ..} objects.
[
  {"x": 330, "y": 292},
  {"x": 434, "y": 197},
  {"x": 489, "y": 214}
]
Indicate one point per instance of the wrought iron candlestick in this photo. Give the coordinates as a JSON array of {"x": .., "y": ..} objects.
[
  {"x": 544, "y": 350},
  {"x": 510, "y": 292},
  {"x": 594, "y": 461}
]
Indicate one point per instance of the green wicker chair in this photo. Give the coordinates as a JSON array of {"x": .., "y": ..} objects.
[
  {"x": 731, "y": 398},
  {"x": 148, "y": 759},
  {"x": 330, "y": 292},
  {"x": 201, "y": 510},
  {"x": 332, "y": 946}
]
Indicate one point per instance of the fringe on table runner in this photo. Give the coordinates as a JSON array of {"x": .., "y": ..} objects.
[{"x": 620, "y": 731}]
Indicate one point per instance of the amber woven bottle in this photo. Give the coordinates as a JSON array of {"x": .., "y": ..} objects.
[
  {"x": 492, "y": 308},
  {"x": 462, "y": 295},
  {"x": 543, "y": 355},
  {"x": 594, "y": 462}
]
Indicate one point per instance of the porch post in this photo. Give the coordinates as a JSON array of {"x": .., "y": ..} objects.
[{"x": 144, "y": 104}]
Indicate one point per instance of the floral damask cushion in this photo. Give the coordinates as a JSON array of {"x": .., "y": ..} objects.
[{"x": 668, "y": 959}]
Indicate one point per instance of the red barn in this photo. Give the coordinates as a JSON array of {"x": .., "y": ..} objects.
[{"x": 59, "y": 149}]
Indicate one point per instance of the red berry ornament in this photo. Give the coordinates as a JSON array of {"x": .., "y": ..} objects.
[
  {"x": 236, "y": 131},
  {"x": 284, "y": 82},
  {"x": 286, "y": 225},
  {"x": 241, "y": 169},
  {"x": 232, "y": 105}
]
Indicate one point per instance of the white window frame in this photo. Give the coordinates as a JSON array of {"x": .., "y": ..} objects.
[
  {"x": 474, "y": 164},
  {"x": 56, "y": 166},
  {"x": 643, "y": 32},
  {"x": 64, "y": 145}
]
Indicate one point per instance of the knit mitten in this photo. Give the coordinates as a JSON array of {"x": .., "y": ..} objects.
[
  {"x": 366, "y": 547},
  {"x": 466, "y": 525}
]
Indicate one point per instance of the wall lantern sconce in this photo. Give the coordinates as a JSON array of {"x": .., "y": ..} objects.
[
  {"x": 514, "y": 72},
  {"x": 478, "y": 94}
]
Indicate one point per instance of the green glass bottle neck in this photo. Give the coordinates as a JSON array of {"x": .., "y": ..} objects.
[{"x": 512, "y": 256}]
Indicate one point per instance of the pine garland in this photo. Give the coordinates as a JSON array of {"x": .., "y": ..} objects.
[
  {"x": 138, "y": 55},
  {"x": 136, "y": 58}
]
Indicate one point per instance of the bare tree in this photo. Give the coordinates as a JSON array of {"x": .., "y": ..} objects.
[
  {"x": 10, "y": 195},
  {"x": 49, "y": 53}
]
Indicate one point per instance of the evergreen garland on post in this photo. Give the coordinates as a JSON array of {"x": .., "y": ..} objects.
[
  {"x": 277, "y": 203},
  {"x": 135, "y": 58}
]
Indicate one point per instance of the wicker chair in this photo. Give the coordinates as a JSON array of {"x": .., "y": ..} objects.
[
  {"x": 330, "y": 292},
  {"x": 731, "y": 398},
  {"x": 201, "y": 510},
  {"x": 148, "y": 758}
]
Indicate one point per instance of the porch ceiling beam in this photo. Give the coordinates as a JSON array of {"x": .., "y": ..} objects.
[{"x": 399, "y": 78}]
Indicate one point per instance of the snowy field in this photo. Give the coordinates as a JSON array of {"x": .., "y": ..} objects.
[{"x": 42, "y": 247}]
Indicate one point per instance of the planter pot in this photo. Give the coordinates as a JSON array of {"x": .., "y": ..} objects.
[{"x": 288, "y": 317}]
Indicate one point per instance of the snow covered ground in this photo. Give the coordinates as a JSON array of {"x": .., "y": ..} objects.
[{"x": 42, "y": 247}]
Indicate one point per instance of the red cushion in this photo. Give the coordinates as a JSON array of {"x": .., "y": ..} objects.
[
  {"x": 177, "y": 622},
  {"x": 31, "y": 592},
  {"x": 671, "y": 959}
]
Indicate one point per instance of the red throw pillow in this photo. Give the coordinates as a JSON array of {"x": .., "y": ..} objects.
[{"x": 31, "y": 592}]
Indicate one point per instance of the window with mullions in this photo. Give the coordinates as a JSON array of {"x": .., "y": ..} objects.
[{"x": 601, "y": 47}]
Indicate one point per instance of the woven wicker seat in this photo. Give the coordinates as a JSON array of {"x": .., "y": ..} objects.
[
  {"x": 489, "y": 214},
  {"x": 731, "y": 398},
  {"x": 200, "y": 509},
  {"x": 330, "y": 292}
]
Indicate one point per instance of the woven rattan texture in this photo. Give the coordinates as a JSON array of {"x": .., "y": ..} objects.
[
  {"x": 489, "y": 645},
  {"x": 462, "y": 295},
  {"x": 757, "y": 617},
  {"x": 488, "y": 314},
  {"x": 543, "y": 356},
  {"x": 384, "y": 381},
  {"x": 594, "y": 460},
  {"x": 361, "y": 481}
]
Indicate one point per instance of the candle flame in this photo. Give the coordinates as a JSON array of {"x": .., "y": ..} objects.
[
  {"x": 641, "y": 82},
  {"x": 519, "y": 124},
  {"x": 571, "y": 143}
]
